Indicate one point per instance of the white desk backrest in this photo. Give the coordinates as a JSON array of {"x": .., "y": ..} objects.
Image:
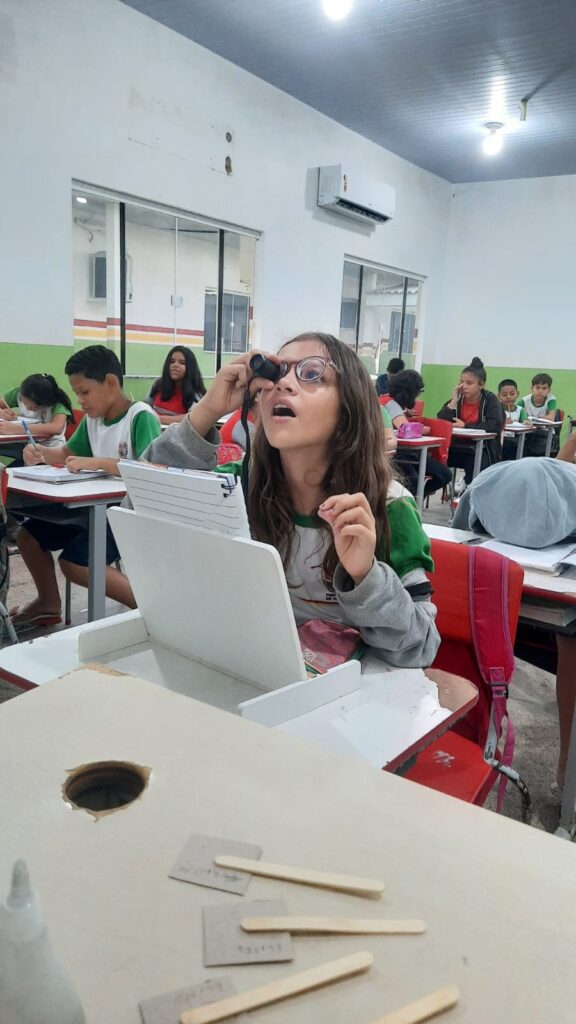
[
  {"x": 215, "y": 599},
  {"x": 211, "y": 501}
]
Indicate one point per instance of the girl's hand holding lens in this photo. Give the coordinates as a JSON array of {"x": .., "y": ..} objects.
[
  {"x": 227, "y": 391},
  {"x": 354, "y": 530}
]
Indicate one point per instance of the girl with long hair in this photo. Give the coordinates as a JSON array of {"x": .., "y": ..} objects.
[
  {"x": 474, "y": 408},
  {"x": 39, "y": 403},
  {"x": 322, "y": 492},
  {"x": 180, "y": 385}
]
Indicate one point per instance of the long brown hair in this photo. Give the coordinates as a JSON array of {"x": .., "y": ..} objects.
[{"x": 356, "y": 461}]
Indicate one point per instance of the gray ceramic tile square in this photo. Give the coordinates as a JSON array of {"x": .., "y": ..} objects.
[
  {"x": 225, "y": 942},
  {"x": 196, "y": 863},
  {"x": 167, "y": 1009}
]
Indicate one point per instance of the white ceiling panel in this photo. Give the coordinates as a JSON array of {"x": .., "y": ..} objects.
[{"x": 419, "y": 77}]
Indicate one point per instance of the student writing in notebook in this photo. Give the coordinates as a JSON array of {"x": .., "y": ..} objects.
[
  {"x": 321, "y": 490},
  {"x": 39, "y": 406},
  {"x": 113, "y": 428}
]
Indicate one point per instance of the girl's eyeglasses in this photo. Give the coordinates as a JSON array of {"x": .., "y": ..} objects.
[{"x": 307, "y": 370}]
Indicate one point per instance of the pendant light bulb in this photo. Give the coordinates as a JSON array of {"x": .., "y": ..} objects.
[
  {"x": 493, "y": 142},
  {"x": 337, "y": 9}
]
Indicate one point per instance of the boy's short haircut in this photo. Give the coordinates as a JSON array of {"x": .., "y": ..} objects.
[
  {"x": 95, "y": 362},
  {"x": 395, "y": 365},
  {"x": 507, "y": 383},
  {"x": 542, "y": 378}
]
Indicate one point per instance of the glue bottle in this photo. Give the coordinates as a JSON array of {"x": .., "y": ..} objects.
[{"x": 34, "y": 988}]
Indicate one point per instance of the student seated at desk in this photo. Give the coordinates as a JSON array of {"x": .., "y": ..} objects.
[
  {"x": 474, "y": 408},
  {"x": 404, "y": 389},
  {"x": 180, "y": 385},
  {"x": 43, "y": 406},
  {"x": 508, "y": 396},
  {"x": 113, "y": 428},
  {"x": 322, "y": 492},
  {"x": 383, "y": 381},
  {"x": 542, "y": 405}
]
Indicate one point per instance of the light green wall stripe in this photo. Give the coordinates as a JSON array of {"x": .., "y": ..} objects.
[{"x": 440, "y": 380}]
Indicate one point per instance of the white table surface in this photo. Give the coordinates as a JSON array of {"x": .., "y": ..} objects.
[
  {"x": 409, "y": 708},
  {"x": 497, "y": 897},
  {"x": 74, "y": 493}
]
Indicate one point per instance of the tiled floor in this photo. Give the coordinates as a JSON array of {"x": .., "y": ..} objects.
[{"x": 532, "y": 701}]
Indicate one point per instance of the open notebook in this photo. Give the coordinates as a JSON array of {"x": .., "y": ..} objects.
[{"x": 211, "y": 501}]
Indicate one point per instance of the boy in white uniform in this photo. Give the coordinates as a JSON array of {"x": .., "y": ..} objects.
[
  {"x": 542, "y": 405},
  {"x": 113, "y": 428}
]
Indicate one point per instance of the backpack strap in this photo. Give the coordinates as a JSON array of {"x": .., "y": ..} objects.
[{"x": 488, "y": 593}]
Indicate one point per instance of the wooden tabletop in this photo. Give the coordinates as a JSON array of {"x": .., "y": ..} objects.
[{"x": 128, "y": 932}]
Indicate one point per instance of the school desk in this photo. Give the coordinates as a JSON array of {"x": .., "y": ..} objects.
[
  {"x": 411, "y": 710},
  {"x": 550, "y": 426},
  {"x": 519, "y": 432},
  {"x": 423, "y": 445},
  {"x": 548, "y": 603},
  {"x": 478, "y": 439},
  {"x": 497, "y": 897},
  {"x": 41, "y": 500},
  {"x": 12, "y": 445}
]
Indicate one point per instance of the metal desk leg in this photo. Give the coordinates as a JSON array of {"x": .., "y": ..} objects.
[
  {"x": 548, "y": 449},
  {"x": 567, "y": 825},
  {"x": 520, "y": 446},
  {"x": 479, "y": 444},
  {"x": 97, "y": 561},
  {"x": 421, "y": 479}
]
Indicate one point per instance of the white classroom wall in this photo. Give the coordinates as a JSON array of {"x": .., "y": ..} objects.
[
  {"x": 94, "y": 91},
  {"x": 509, "y": 282}
]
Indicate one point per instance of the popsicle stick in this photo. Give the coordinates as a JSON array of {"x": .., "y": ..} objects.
[
  {"x": 332, "y": 926},
  {"x": 323, "y": 879},
  {"x": 283, "y": 988},
  {"x": 423, "y": 1009}
]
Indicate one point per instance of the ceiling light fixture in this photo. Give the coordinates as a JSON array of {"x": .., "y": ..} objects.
[
  {"x": 493, "y": 142},
  {"x": 337, "y": 9},
  {"x": 81, "y": 199}
]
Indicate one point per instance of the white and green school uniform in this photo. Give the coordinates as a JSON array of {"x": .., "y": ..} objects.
[
  {"x": 550, "y": 404},
  {"x": 391, "y": 607},
  {"x": 125, "y": 437},
  {"x": 45, "y": 414}
]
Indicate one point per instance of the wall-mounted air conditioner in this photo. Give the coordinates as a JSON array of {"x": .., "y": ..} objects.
[
  {"x": 97, "y": 277},
  {"x": 355, "y": 195}
]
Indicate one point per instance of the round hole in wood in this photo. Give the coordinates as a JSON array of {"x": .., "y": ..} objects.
[{"x": 105, "y": 786}]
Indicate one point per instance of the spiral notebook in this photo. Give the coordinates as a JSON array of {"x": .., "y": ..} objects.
[
  {"x": 57, "y": 474},
  {"x": 211, "y": 501}
]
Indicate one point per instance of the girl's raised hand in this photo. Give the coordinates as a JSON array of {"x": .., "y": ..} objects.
[{"x": 354, "y": 530}]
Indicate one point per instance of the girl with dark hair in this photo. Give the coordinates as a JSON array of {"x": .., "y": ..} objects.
[
  {"x": 180, "y": 385},
  {"x": 474, "y": 408},
  {"x": 404, "y": 389},
  {"x": 322, "y": 492},
  {"x": 40, "y": 405}
]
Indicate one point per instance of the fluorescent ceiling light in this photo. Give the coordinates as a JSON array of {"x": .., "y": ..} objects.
[
  {"x": 337, "y": 9},
  {"x": 81, "y": 199},
  {"x": 493, "y": 142}
]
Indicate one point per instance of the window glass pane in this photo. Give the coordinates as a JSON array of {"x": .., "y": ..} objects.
[
  {"x": 95, "y": 255},
  {"x": 239, "y": 256},
  {"x": 350, "y": 300},
  {"x": 210, "y": 322}
]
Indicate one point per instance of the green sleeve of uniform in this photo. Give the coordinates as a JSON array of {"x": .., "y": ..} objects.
[
  {"x": 522, "y": 417},
  {"x": 520, "y": 402},
  {"x": 231, "y": 467},
  {"x": 145, "y": 429},
  {"x": 552, "y": 404},
  {"x": 11, "y": 398},
  {"x": 58, "y": 409},
  {"x": 386, "y": 418},
  {"x": 79, "y": 443},
  {"x": 409, "y": 545}
]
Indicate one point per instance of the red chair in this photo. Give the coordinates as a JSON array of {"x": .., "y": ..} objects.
[
  {"x": 443, "y": 429},
  {"x": 228, "y": 453},
  {"x": 384, "y": 399},
  {"x": 418, "y": 408},
  {"x": 466, "y": 761},
  {"x": 77, "y": 417}
]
